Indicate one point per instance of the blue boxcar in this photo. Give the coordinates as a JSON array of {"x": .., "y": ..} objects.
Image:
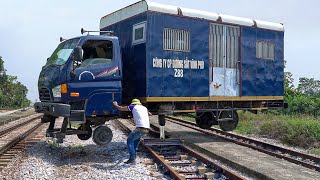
[
  {"x": 173, "y": 59},
  {"x": 189, "y": 60}
]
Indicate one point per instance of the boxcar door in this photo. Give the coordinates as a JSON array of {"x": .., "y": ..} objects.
[{"x": 224, "y": 60}]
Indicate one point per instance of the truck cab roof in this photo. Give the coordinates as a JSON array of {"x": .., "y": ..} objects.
[{"x": 96, "y": 37}]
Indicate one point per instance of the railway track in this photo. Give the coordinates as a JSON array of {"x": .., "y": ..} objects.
[
  {"x": 296, "y": 157},
  {"x": 5, "y": 119},
  {"x": 13, "y": 139},
  {"x": 180, "y": 162}
]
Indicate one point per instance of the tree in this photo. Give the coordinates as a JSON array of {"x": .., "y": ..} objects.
[
  {"x": 309, "y": 86},
  {"x": 12, "y": 92},
  {"x": 289, "y": 89},
  {"x": 3, "y": 76}
]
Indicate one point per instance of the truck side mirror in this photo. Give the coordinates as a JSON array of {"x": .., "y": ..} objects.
[
  {"x": 77, "y": 56},
  {"x": 77, "y": 53}
]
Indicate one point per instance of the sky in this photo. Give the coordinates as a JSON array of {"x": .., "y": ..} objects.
[{"x": 30, "y": 30}]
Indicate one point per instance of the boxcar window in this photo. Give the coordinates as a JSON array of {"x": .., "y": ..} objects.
[
  {"x": 139, "y": 33},
  {"x": 265, "y": 50},
  {"x": 176, "y": 40}
]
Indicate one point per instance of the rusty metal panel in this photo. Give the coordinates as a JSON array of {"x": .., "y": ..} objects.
[{"x": 217, "y": 86}]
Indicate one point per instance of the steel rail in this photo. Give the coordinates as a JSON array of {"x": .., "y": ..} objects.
[
  {"x": 19, "y": 138},
  {"x": 11, "y": 128},
  {"x": 230, "y": 174},
  {"x": 174, "y": 173},
  {"x": 256, "y": 145}
]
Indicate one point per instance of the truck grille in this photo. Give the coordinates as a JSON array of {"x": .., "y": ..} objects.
[{"x": 44, "y": 94}]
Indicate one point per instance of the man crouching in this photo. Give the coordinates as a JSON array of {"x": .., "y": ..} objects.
[{"x": 141, "y": 120}]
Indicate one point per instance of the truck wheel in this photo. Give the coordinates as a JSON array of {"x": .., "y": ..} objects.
[
  {"x": 102, "y": 135},
  {"x": 232, "y": 123},
  {"x": 86, "y": 128},
  {"x": 205, "y": 120}
]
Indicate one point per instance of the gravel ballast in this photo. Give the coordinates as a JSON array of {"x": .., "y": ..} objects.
[{"x": 77, "y": 159}]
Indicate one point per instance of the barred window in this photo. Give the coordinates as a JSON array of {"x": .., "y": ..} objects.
[
  {"x": 265, "y": 50},
  {"x": 176, "y": 40}
]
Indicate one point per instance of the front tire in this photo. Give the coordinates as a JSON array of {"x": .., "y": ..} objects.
[{"x": 102, "y": 135}]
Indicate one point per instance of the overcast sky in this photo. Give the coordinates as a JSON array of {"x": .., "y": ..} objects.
[{"x": 30, "y": 30}]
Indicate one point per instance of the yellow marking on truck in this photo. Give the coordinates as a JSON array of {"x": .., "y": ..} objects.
[{"x": 216, "y": 98}]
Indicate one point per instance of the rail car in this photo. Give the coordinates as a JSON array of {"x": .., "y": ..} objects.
[{"x": 173, "y": 59}]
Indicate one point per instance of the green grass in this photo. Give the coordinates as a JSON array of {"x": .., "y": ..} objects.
[
  {"x": 298, "y": 130},
  {"x": 315, "y": 151},
  {"x": 53, "y": 143},
  {"x": 301, "y": 131}
]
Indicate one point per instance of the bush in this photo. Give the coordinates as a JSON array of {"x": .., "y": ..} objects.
[{"x": 293, "y": 130}]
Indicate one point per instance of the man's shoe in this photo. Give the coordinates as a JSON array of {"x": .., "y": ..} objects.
[{"x": 130, "y": 161}]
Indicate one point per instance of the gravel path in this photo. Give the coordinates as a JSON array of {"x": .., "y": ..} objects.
[
  {"x": 17, "y": 114},
  {"x": 76, "y": 159}
]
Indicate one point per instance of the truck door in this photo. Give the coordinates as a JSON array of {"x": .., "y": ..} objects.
[
  {"x": 100, "y": 62},
  {"x": 224, "y": 58},
  {"x": 97, "y": 76}
]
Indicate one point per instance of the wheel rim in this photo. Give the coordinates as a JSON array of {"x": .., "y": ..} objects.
[
  {"x": 102, "y": 135},
  {"x": 228, "y": 125}
]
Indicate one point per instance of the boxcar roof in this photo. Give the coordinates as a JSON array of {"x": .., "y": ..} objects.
[{"x": 143, "y": 6}]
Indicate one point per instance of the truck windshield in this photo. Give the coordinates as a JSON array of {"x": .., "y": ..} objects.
[{"x": 62, "y": 52}]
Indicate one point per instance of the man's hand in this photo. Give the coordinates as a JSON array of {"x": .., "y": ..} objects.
[{"x": 121, "y": 108}]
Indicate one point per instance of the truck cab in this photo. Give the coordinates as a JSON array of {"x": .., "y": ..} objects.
[{"x": 79, "y": 82}]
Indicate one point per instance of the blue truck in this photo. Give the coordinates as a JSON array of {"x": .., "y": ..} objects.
[{"x": 174, "y": 59}]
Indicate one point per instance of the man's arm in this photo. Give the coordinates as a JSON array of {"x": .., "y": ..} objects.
[{"x": 120, "y": 108}]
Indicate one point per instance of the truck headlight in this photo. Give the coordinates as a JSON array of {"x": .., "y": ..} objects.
[{"x": 56, "y": 91}]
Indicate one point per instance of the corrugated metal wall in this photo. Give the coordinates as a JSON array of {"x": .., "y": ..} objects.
[
  {"x": 232, "y": 46},
  {"x": 216, "y": 48},
  {"x": 224, "y": 57},
  {"x": 224, "y": 42}
]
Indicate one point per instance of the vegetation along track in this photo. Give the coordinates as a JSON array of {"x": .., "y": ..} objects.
[
  {"x": 13, "y": 139},
  {"x": 296, "y": 157},
  {"x": 180, "y": 162}
]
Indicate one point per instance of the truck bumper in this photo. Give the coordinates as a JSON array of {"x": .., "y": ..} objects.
[{"x": 53, "y": 109}]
